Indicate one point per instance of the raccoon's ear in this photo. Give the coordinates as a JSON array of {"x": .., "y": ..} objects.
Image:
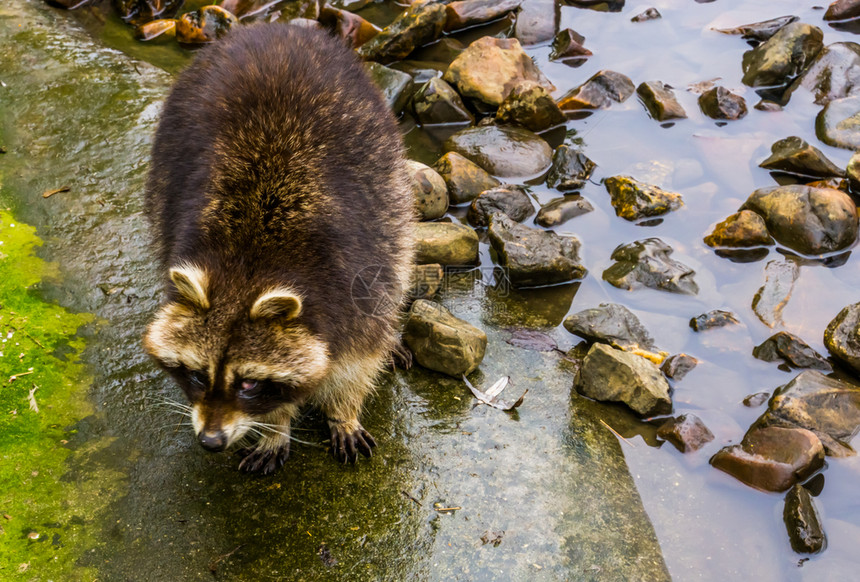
[
  {"x": 280, "y": 302},
  {"x": 191, "y": 282}
]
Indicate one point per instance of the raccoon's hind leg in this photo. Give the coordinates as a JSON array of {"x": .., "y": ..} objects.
[
  {"x": 271, "y": 451},
  {"x": 341, "y": 397}
]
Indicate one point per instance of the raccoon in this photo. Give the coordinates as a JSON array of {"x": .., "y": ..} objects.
[{"x": 281, "y": 209}]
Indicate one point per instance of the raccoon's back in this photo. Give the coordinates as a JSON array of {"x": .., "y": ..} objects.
[{"x": 276, "y": 156}]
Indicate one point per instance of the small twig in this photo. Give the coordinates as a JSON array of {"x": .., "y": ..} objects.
[
  {"x": 14, "y": 377},
  {"x": 32, "y": 338},
  {"x": 441, "y": 509},
  {"x": 49, "y": 193},
  {"x": 407, "y": 496},
  {"x": 213, "y": 564},
  {"x": 32, "y": 398},
  {"x": 613, "y": 431}
]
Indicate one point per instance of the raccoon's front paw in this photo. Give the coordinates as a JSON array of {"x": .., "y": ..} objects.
[
  {"x": 262, "y": 459},
  {"x": 348, "y": 439},
  {"x": 401, "y": 356}
]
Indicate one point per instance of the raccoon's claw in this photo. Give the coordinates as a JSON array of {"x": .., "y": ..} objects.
[
  {"x": 345, "y": 444},
  {"x": 263, "y": 460},
  {"x": 402, "y": 357}
]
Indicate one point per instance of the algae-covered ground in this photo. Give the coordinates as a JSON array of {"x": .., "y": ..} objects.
[{"x": 129, "y": 495}]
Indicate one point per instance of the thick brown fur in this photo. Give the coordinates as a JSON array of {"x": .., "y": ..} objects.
[{"x": 277, "y": 179}]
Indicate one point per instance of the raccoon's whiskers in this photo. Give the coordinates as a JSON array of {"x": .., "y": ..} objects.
[{"x": 274, "y": 429}]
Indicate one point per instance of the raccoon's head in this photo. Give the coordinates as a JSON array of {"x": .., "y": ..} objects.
[{"x": 237, "y": 361}]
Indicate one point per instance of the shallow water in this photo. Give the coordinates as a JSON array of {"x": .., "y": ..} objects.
[{"x": 574, "y": 502}]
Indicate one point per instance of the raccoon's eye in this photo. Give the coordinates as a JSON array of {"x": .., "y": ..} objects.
[
  {"x": 250, "y": 388},
  {"x": 198, "y": 379},
  {"x": 249, "y": 384}
]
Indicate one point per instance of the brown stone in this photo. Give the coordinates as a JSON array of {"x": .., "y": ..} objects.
[
  {"x": 687, "y": 433},
  {"x": 466, "y": 13},
  {"x": 464, "y": 178},
  {"x": 742, "y": 230},
  {"x": 598, "y": 92}
]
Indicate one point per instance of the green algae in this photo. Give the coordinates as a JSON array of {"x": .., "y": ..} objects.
[{"x": 42, "y": 395}]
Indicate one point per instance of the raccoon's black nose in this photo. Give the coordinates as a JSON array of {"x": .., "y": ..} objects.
[{"x": 213, "y": 441}]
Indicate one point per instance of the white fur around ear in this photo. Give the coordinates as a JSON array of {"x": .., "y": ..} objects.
[
  {"x": 279, "y": 302},
  {"x": 191, "y": 284}
]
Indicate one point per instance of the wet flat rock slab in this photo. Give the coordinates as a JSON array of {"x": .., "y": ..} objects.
[
  {"x": 646, "y": 263},
  {"x": 614, "y": 325},
  {"x": 502, "y": 150}
]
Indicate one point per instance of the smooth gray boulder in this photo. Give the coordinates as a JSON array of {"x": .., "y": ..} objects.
[{"x": 502, "y": 150}]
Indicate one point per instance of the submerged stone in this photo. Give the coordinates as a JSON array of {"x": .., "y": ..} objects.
[
  {"x": 396, "y": 85},
  {"x": 802, "y": 522},
  {"x": 760, "y": 31},
  {"x": 773, "y": 295},
  {"x": 568, "y": 44},
  {"x": 687, "y": 433},
  {"x": 614, "y": 325},
  {"x": 660, "y": 101},
  {"x": 610, "y": 375},
  {"x": 420, "y": 24},
  {"x": 783, "y": 56},
  {"x": 466, "y": 13},
  {"x": 445, "y": 243},
  {"x": 436, "y": 102},
  {"x": 828, "y": 407},
  {"x": 794, "y": 156},
  {"x": 429, "y": 190},
  {"x": 811, "y": 221},
  {"x": 205, "y": 25},
  {"x": 648, "y": 14},
  {"x": 537, "y": 21},
  {"x": 464, "y": 178},
  {"x": 838, "y": 124},
  {"x": 744, "y": 229},
  {"x": 533, "y": 257},
  {"x": 678, "y": 366},
  {"x": 510, "y": 200},
  {"x": 756, "y": 400},
  {"x": 529, "y": 105},
  {"x": 559, "y": 210},
  {"x": 646, "y": 263},
  {"x": 598, "y": 92},
  {"x": 787, "y": 347},
  {"x": 633, "y": 200},
  {"x": 442, "y": 342},
  {"x": 720, "y": 103},
  {"x": 713, "y": 319},
  {"x": 842, "y": 336},
  {"x": 570, "y": 169},
  {"x": 834, "y": 74},
  {"x": 502, "y": 150},
  {"x": 772, "y": 458}
]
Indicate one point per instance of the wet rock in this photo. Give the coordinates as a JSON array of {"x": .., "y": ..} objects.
[
  {"x": 802, "y": 522},
  {"x": 466, "y": 13},
  {"x": 442, "y": 342},
  {"x": 852, "y": 171},
  {"x": 633, "y": 200},
  {"x": 720, "y": 103},
  {"x": 396, "y": 85},
  {"x": 530, "y": 106},
  {"x": 843, "y": 10},
  {"x": 756, "y": 400},
  {"x": 794, "y": 156},
  {"x": 205, "y": 25},
  {"x": 772, "y": 297},
  {"x": 491, "y": 67},
  {"x": 429, "y": 190},
  {"x": 512, "y": 201},
  {"x": 760, "y": 31},
  {"x": 445, "y": 243},
  {"x": 436, "y": 102},
  {"x": 611, "y": 375},
  {"x": 348, "y": 26},
  {"x": 134, "y": 11},
  {"x": 842, "y": 336},
  {"x": 464, "y": 178},
  {"x": 646, "y": 263},
  {"x": 559, "y": 210},
  {"x": 502, "y": 150},
  {"x": 772, "y": 458},
  {"x": 599, "y": 5},
  {"x": 713, "y": 319},
  {"x": 828, "y": 407},
  {"x": 838, "y": 124},
  {"x": 808, "y": 220},
  {"x": 648, "y": 14},
  {"x": 678, "y": 366},
  {"x": 834, "y": 74},
  {"x": 792, "y": 350},
  {"x": 570, "y": 169},
  {"x": 598, "y": 92},
  {"x": 426, "y": 281},
  {"x": 163, "y": 28},
  {"x": 660, "y": 101},
  {"x": 533, "y": 257},
  {"x": 687, "y": 432},
  {"x": 782, "y": 57},
  {"x": 295, "y": 12},
  {"x": 420, "y": 24},
  {"x": 537, "y": 21},
  {"x": 742, "y": 230},
  {"x": 767, "y": 105},
  {"x": 568, "y": 44},
  {"x": 617, "y": 326}
]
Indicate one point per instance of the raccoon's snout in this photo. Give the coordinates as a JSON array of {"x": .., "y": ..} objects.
[{"x": 214, "y": 441}]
